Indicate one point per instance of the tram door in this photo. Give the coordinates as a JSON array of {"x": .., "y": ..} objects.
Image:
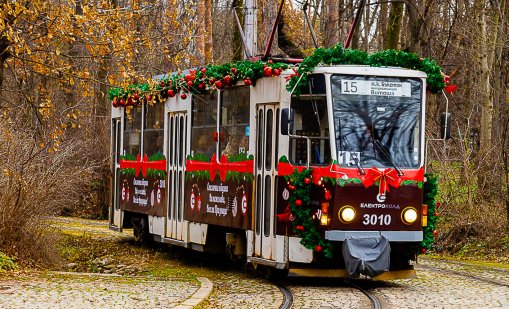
[
  {"x": 116, "y": 132},
  {"x": 266, "y": 153},
  {"x": 177, "y": 152}
]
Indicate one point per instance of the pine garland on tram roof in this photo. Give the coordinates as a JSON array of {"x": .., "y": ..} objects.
[{"x": 212, "y": 77}]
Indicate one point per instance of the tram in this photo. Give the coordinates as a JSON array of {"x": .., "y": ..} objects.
[{"x": 324, "y": 181}]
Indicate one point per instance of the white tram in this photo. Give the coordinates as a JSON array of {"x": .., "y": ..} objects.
[{"x": 210, "y": 172}]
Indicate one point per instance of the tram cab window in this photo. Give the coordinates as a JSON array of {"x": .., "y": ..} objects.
[
  {"x": 310, "y": 123},
  {"x": 204, "y": 125},
  {"x": 132, "y": 133},
  {"x": 153, "y": 130},
  {"x": 234, "y": 121}
]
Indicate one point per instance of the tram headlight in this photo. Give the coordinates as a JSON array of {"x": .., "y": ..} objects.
[
  {"x": 346, "y": 214},
  {"x": 409, "y": 215}
]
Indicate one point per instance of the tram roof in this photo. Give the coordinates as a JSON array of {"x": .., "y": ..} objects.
[{"x": 369, "y": 70}]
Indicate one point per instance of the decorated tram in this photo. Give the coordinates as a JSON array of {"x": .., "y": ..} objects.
[{"x": 316, "y": 169}]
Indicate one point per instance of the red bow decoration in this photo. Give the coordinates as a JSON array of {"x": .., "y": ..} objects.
[
  {"x": 221, "y": 167},
  {"x": 143, "y": 165},
  {"x": 389, "y": 177}
]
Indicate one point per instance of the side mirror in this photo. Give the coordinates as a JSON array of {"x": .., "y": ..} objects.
[
  {"x": 286, "y": 121},
  {"x": 445, "y": 126}
]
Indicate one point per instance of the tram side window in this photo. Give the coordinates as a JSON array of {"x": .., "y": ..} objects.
[
  {"x": 234, "y": 122},
  {"x": 153, "y": 133},
  {"x": 310, "y": 121},
  {"x": 204, "y": 124},
  {"x": 132, "y": 133}
]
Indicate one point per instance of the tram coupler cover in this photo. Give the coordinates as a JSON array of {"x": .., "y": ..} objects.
[{"x": 368, "y": 256}]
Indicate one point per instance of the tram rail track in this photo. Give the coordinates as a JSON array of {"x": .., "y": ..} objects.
[
  {"x": 287, "y": 296},
  {"x": 375, "y": 301}
]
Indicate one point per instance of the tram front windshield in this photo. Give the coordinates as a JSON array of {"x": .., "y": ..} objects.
[{"x": 377, "y": 121}]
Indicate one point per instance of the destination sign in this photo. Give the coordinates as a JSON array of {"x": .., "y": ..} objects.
[{"x": 376, "y": 88}]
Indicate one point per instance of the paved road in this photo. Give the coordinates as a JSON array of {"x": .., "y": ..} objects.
[{"x": 440, "y": 284}]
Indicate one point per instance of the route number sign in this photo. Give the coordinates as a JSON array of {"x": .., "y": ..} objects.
[{"x": 376, "y": 88}]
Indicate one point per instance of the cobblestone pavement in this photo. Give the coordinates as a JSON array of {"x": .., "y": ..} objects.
[
  {"x": 440, "y": 284},
  {"x": 79, "y": 291}
]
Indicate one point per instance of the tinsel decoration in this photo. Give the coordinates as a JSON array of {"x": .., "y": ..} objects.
[
  {"x": 303, "y": 223},
  {"x": 337, "y": 55},
  {"x": 430, "y": 193},
  {"x": 202, "y": 80}
]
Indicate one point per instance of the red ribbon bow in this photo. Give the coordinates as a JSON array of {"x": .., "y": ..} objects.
[
  {"x": 222, "y": 167},
  {"x": 389, "y": 177},
  {"x": 143, "y": 165}
]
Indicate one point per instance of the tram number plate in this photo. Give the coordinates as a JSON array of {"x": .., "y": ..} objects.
[{"x": 376, "y": 219}]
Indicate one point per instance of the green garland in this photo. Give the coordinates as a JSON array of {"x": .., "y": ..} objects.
[
  {"x": 201, "y": 80},
  {"x": 303, "y": 224},
  {"x": 430, "y": 193},
  {"x": 338, "y": 55}
]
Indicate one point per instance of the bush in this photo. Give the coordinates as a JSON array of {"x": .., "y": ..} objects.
[
  {"x": 35, "y": 184},
  {"x": 6, "y": 263}
]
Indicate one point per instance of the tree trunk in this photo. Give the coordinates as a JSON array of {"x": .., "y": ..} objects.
[
  {"x": 208, "y": 32},
  {"x": 391, "y": 39},
  {"x": 331, "y": 31}
]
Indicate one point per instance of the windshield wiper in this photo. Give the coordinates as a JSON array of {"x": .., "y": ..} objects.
[{"x": 382, "y": 150}]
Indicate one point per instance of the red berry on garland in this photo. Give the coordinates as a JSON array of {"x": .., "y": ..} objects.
[
  {"x": 436, "y": 214},
  {"x": 276, "y": 72},
  {"x": 183, "y": 96},
  {"x": 234, "y": 70},
  {"x": 318, "y": 248},
  {"x": 171, "y": 93},
  {"x": 248, "y": 82},
  {"x": 298, "y": 202},
  {"x": 270, "y": 61},
  {"x": 162, "y": 84},
  {"x": 136, "y": 96},
  {"x": 291, "y": 187},
  {"x": 227, "y": 80},
  {"x": 203, "y": 71},
  {"x": 129, "y": 101},
  {"x": 201, "y": 86},
  {"x": 435, "y": 233},
  {"x": 307, "y": 181},
  {"x": 114, "y": 102},
  {"x": 424, "y": 250},
  {"x": 438, "y": 204},
  {"x": 328, "y": 195},
  {"x": 148, "y": 98},
  {"x": 299, "y": 228},
  {"x": 219, "y": 84},
  {"x": 267, "y": 72},
  {"x": 121, "y": 102}
]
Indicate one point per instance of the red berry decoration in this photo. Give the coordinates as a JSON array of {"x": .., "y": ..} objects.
[
  {"x": 267, "y": 72},
  {"x": 148, "y": 98},
  {"x": 307, "y": 181},
  {"x": 201, "y": 86},
  {"x": 162, "y": 84},
  {"x": 219, "y": 84},
  {"x": 424, "y": 250},
  {"x": 136, "y": 96},
  {"x": 291, "y": 187},
  {"x": 227, "y": 80},
  {"x": 234, "y": 70},
  {"x": 435, "y": 233},
  {"x": 183, "y": 96},
  {"x": 276, "y": 72},
  {"x": 438, "y": 204},
  {"x": 328, "y": 195},
  {"x": 115, "y": 103},
  {"x": 171, "y": 93},
  {"x": 318, "y": 248},
  {"x": 248, "y": 82},
  {"x": 299, "y": 228},
  {"x": 121, "y": 102},
  {"x": 298, "y": 202},
  {"x": 270, "y": 62},
  {"x": 203, "y": 71},
  {"x": 190, "y": 83}
]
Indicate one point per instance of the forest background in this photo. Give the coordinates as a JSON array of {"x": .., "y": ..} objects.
[{"x": 59, "y": 57}]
